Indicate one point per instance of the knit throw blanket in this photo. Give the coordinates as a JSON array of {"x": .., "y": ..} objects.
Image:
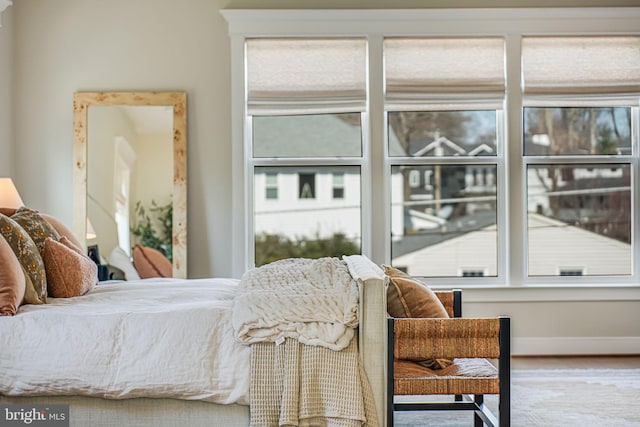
[
  {"x": 293, "y": 384},
  {"x": 312, "y": 300},
  {"x": 300, "y": 315}
]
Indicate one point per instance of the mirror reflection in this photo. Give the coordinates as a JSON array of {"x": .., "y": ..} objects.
[
  {"x": 130, "y": 181},
  {"x": 130, "y": 177}
]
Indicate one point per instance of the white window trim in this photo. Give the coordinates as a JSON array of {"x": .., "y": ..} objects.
[{"x": 373, "y": 24}]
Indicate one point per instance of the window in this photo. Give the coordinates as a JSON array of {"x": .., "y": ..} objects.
[
  {"x": 305, "y": 103},
  {"x": 484, "y": 151},
  {"x": 578, "y": 154},
  {"x": 338, "y": 185},
  {"x": 271, "y": 186},
  {"x": 306, "y": 185},
  {"x": 452, "y": 217}
]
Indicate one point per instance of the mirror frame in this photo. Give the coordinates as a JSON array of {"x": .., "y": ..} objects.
[{"x": 178, "y": 100}]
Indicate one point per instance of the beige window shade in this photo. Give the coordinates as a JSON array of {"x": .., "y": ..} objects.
[
  {"x": 581, "y": 65},
  {"x": 287, "y": 76},
  {"x": 443, "y": 70}
]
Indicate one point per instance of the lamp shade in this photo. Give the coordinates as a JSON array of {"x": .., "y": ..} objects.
[{"x": 9, "y": 197}]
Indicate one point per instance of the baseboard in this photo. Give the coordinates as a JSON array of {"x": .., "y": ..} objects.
[{"x": 565, "y": 346}]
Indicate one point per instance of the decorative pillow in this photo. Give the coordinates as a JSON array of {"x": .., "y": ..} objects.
[
  {"x": 62, "y": 229},
  {"x": 12, "y": 281},
  {"x": 37, "y": 227},
  {"x": 409, "y": 297},
  {"x": 70, "y": 273},
  {"x": 119, "y": 259},
  {"x": 151, "y": 262},
  {"x": 27, "y": 253}
]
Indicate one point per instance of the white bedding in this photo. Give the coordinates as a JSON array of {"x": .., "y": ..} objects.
[{"x": 149, "y": 338}]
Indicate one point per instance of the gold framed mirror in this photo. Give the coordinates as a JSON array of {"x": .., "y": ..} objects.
[{"x": 107, "y": 188}]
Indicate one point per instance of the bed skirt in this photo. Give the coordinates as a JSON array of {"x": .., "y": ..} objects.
[{"x": 142, "y": 412}]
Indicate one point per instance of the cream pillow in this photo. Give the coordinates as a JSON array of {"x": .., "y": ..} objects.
[{"x": 119, "y": 258}]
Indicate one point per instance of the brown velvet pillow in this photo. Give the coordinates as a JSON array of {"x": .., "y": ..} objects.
[
  {"x": 27, "y": 253},
  {"x": 37, "y": 227},
  {"x": 409, "y": 297},
  {"x": 151, "y": 263},
  {"x": 12, "y": 281},
  {"x": 70, "y": 273},
  {"x": 62, "y": 229}
]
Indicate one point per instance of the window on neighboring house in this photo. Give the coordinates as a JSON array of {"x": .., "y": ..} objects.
[
  {"x": 571, "y": 271},
  {"x": 338, "y": 185},
  {"x": 473, "y": 272},
  {"x": 307, "y": 185},
  {"x": 271, "y": 186}
]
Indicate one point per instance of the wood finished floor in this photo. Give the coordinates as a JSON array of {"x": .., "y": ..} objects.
[{"x": 566, "y": 362}]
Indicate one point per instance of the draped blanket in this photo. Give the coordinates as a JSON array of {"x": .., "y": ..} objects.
[
  {"x": 300, "y": 315},
  {"x": 312, "y": 300}
]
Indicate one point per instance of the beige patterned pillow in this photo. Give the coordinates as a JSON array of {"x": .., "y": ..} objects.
[
  {"x": 37, "y": 227},
  {"x": 27, "y": 253}
]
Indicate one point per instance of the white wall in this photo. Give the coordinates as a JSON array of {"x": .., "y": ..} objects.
[
  {"x": 6, "y": 96},
  {"x": 63, "y": 46}
]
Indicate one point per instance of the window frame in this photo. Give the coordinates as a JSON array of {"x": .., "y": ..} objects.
[{"x": 374, "y": 25}]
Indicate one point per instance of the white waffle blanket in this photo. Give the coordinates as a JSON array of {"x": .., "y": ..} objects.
[{"x": 313, "y": 301}]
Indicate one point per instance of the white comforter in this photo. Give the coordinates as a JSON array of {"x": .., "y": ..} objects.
[{"x": 150, "y": 338}]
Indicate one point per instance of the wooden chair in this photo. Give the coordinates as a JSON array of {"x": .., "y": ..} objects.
[{"x": 471, "y": 341}]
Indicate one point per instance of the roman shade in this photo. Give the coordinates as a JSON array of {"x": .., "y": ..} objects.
[
  {"x": 306, "y": 75},
  {"x": 424, "y": 71},
  {"x": 581, "y": 65}
]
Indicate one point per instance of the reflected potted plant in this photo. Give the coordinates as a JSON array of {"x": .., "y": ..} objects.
[{"x": 154, "y": 227}]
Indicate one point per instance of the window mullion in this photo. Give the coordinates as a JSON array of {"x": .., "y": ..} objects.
[
  {"x": 512, "y": 257},
  {"x": 376, "y": 212}
]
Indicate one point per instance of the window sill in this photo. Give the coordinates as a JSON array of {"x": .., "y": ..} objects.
[{"x": 548, "y": 293}]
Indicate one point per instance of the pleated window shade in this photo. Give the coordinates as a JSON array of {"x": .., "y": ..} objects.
[
  {"x": 306, "y": 76},
  {"x": 581, "y": 65},
  {"x": 443, "y": 70}
]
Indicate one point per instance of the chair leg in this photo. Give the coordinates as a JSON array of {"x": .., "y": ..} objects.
[{"x": 479, "y": 400}]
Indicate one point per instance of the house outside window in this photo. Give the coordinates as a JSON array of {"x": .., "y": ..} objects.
[{"x": 497, "y": 158}]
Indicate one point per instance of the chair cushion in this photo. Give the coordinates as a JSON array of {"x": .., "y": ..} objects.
[{"x": 464, "y": 376}]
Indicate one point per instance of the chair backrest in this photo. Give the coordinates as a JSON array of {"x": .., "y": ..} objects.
[{"x": 452, "y": 301}]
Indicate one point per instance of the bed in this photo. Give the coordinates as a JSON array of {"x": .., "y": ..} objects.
[{"x": 166, "y": 348}]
